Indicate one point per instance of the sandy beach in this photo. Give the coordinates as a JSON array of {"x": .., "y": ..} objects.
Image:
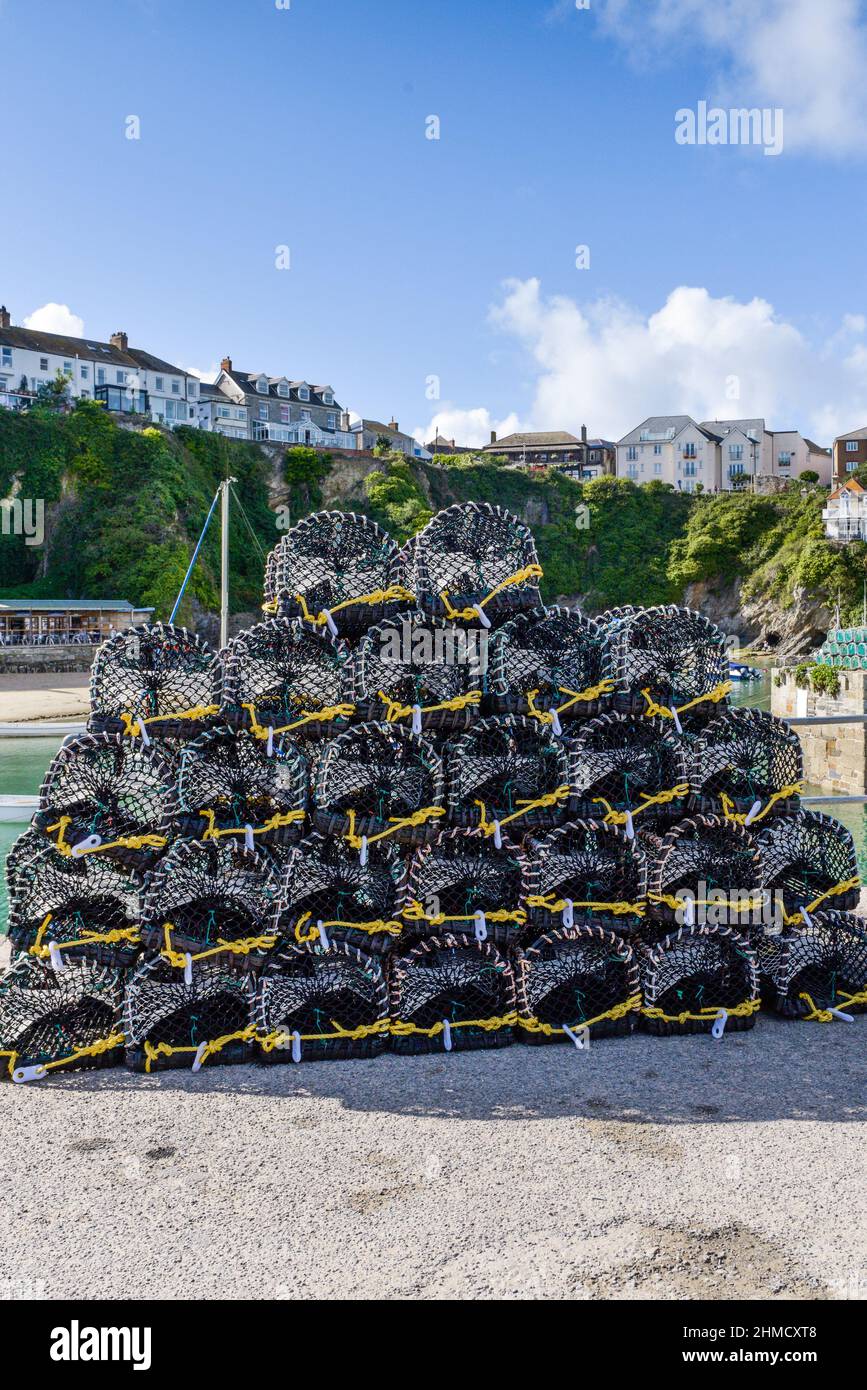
[{"x": 43, "y": 695}]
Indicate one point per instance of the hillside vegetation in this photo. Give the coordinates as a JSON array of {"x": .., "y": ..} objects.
[{"x": 124, "y": 509}]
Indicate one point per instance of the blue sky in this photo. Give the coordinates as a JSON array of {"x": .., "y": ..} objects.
[{"x": 410, "y": 257}]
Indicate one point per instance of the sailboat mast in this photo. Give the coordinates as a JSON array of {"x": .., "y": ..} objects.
[{"x": 224, "y": 562}]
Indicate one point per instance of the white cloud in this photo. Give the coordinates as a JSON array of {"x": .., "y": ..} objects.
[
  {"x": 208, "y": 374},
  {"x": 56, "y": 318},
  {"x": 806, "y": 56},
  {"x": 606, "y": 365},
  {"x": 472, "y": 427}
]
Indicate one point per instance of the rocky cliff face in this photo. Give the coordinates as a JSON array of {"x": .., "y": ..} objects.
[{"x": 792, "y": 631}]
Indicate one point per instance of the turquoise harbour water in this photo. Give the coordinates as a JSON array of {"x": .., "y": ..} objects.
[{"x": 23, "y": 762}]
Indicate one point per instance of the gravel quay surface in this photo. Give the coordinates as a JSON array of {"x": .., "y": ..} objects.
[{"x": 662, "y": 1168}]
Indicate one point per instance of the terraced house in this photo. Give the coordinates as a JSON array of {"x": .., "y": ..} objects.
[
  {"x": 718, "y": 455},
  {"x": 278, "y": 408}
]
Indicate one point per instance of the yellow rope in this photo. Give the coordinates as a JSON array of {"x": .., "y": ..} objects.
[
  {"x": 549, "y": 799},
  {"x": 718, "y": 693},
  {"x": 613, "y": 817},
  {"x": 94, "y": 1049},
  {"x": 132, "y": 724},
  {"x": 87, "y": 938},
  {"x": 322, "y": 716},
  {"x": 794, "y": 918},
  {"x": 707, "y": 1014},
  {"x": 395, "y": 710},
  {"x": 242, "y": 947},
  {"x": 817, "y": 1015},
  {"x": 729, "y": 902},
  {"x": 528, "y": 572},
  {"x": 535, "y": 1025},
  {"x": 153, "y": 1053},
  {"x": 125, "y": 841},
  {"x": 592, "y": 692},
  {"x": 273, "y": 824},
  {"x": 416, "y": 913},
  {"x": 392, "y": 593},
  {"x": 740, "y": 817},
  {"x": 619, "y": 909},
  {"x": 400, "y": 1029},
  {"x": 397, "y": 823},
  {"x": 364, "y": 1030},
  {"x": 391, "y": 927}
]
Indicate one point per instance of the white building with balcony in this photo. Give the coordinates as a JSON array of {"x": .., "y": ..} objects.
[
  {"x": 670, "y": 449},
  {"x": 845, "y": 516},
  {"x": 720, "y": 454}
]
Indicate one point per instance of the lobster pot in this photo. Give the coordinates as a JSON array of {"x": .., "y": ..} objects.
[
  {"x": 328, "y": 893},
  {"x": 620, "y": 763},
  {"x": 508, "y": 775},
  {"x": 706, "y": 869},
  {"x": 460, "y": 560},
  {"x": 30, "y": 845},
  {"x": 233, "y": 785},
  {"x": 585, "y": 870},
  {"x": 467, "y": 887},
  {"x": 378, "y": 781},
  {"x": 282, "y": 676},
  {"x": 156, "y": 675},
  {"x": 549, "y": 664},
  {"x": 420, "y": 672},
  {"x": 746, "y": 763},
  {"x": 669, "y": 655},
  {"x": 317, "y": 1003},
  {"x": 574, "y": 979},
  {"x": 171, "y": 1022},
  {"x": 809, "y": 862},
  {"x": 107, "y": 794},
  {"x": 811, "y": 969},
  {"x": 333, "y": 569},
  {"x": 59, "y": 1020},
  {"x": 210, "y": 900},
  {"x": 449, "y": 994},
  {"x": 67, "y": 908},
  {"x": 689, "y": 978}
]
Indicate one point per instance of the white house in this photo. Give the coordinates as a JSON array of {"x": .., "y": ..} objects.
[
  {"x": 719, "y": 454},
  {"x": 748, "y": 449},
  {"x": 671, "y": 449},
  {"x": 278, "y": 409},
  {"x": 845, "y": 516},
  {"x": 127, "y": 380},
  {"x": 221, "y": 415}
]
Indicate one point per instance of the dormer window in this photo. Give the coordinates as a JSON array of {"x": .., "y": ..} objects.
[
  {"x": 328, "y": 398},
  {"x": 262, "y": 386},
  {"x": 304, "y": 393},
  {"x": 283, "y": 388}
]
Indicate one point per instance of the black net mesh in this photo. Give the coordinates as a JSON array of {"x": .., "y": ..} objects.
[
  {"x": 163, "y": 675},
  {"x": 172, "y": 1022},
  {"x": 577, "y": 978},
  {"x": 691, "y": 975},
  {"x": 283, "y": 676},
  {"x": 315, "y": 1003},
  {"x": 810, "y": 970},
  {"x": 378, "y": 779},
  {"x": 326, "y": 889},
  {"x": 463, "y": 556},
  {"x": 451, "y": 993},
  {"x": 464, "y": 885},
  {"x": 326, "y": 564},
  {"x": 539, "y": 662},
  {"x": 585, "y": 870},
  {"x": 31, "y": 844},
  {"x": 229, "y": 781},
  {"x": 669, "y": 656},
  {"x": 421, "y": 672},
  {"x": 809, "y": 862},
  {"x": 624, "y": 768},
  {"x": 64, "y": 908},
  {"x": 507, "y": 772},
  {"x": 53, "y": 1019},
  {"x": 107, "y": 794},
  {"x": 706, "y": 868},
  {"x": 746, "y": 763},
  {"x": 211, "y": 900}
]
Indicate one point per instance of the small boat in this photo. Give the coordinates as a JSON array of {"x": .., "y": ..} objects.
[
  {"x": 739, "y": 672},
  {"x": 18, "y": 808}
]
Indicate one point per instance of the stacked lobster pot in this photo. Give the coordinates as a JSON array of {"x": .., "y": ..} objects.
[{"x": 416, "y": 810}]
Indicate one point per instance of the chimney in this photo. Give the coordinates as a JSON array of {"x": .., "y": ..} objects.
[
  {"x": 452, "y": 442},
  {"x": 120, "y": 341},
  {"x": 393, "y": 425},
  {"x": 344, "y": 417},
  {"x": 5, "y": 317},
  {"x": 226, "y": 364},
  {"x": 583, "y": 434},
  {"x": 493, "y": 436}
]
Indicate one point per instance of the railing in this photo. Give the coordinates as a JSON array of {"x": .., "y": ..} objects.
[{"x": 50, "y": 639}]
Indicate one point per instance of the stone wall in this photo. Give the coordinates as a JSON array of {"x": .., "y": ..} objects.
[
  {"x": 30, "y": 659},
  {"x": 835, "y": 755}
]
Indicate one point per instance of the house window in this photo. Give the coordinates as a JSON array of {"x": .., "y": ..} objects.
[
  {"x": 263, "y": 412},
  {"x": 657, "y": 449},
  {"x": 305, "y": 415},
  {"x": 851, "y": 465},
  {"x": 735, "y": 470},
  {"x": 176, "y": 388},
  {"x": 283, "y": 389},
  {"x": 43, "y": 364},
  {"x": 284, "y": 414},
  {"x": 159, "y": 385},
  {"x": 328, "y": 398},
  {"x": 100, "y": 376},
  {"x": 192, "y": 388},
  {"x": 224, "y": 412},
  {"x": 332, "y": 421},
  {"x": 85, "y": 395},
  {"x": 68, "y": 369},
  {"x": 851, "y": 446},
  {"x": 85, "y": 372},
  {"x": 657, "y": 468},
  {"x": 262, "y": 386},
  {"x": 631, "y": 453},
  {"x": 120, "y": 378},
  {"x": 632, "y": 471},
  {"x": 689, "y": 469},
  {"x": 689, "y": 451},
  {"x": 5, "y": 357},
  {"x": 736, "y": 451},
  {"x": 303, "y": 393},
  {"x": 784, "y": 460}
]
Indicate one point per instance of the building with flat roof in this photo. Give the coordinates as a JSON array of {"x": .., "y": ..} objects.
[{"x": 56, "y": 621}]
